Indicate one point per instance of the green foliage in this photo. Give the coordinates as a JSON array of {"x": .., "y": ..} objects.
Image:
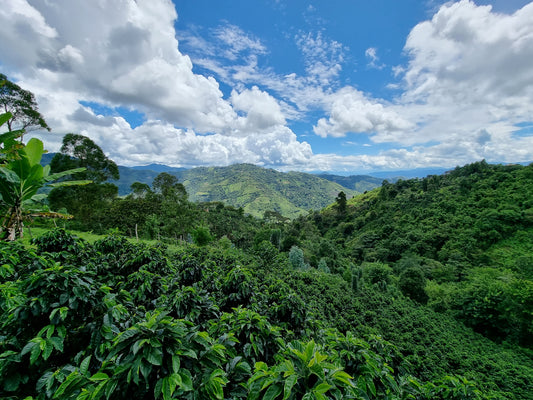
[
  {"x": 377, "y": 274},
  {"x": 340, "y": 201},
  {"x": 117, "y": 319},
  {"x": 266, "y": 252},
  {"x": 58, "y": 241},
  {"x": 296, "y": 258},
  {"x": 323, "y": 266},
  {"x": 302, "y": 371},
  {"x": 496, "y": 303},
  {"x": 89, "y": 204},
  {"x": 201, "y": 236},
  {"x": 412, "y": 283},
  {"x": 123, "y": 320},
  {"x": 79, "y": 151},
  {"x": 9, "y": 143},
  {"x": 435, "y": 231}
]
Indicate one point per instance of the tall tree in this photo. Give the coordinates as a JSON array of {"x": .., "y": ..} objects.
[
  {"x": 88, "y": 203},
  {"x": 168, "y": 186},
  {"x": 140, "y": 190},
  {"x": 341, "y": 203},
  {"x": 22, "y": 106},
  {"x": 80, "y": 151},
  {"x": 175, "y": 211}
]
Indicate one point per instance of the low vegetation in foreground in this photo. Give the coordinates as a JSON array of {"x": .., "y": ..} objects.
[{"x": 116, "y": 319}]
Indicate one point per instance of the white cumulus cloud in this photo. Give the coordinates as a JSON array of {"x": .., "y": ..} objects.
[
  {"x": 464, "y": 92},
  {"x": 352, "y": 111},
  {"x": 125, "y": 54},
  {"x": 262, "y": 110},
  {"x": 130, "y": 56}
]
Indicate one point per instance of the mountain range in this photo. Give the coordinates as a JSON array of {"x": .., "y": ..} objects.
[
  {"x": 256, "y": 189},
  {"x": 253, "y": 188}
]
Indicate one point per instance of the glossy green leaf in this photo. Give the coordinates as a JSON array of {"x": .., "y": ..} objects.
[
  {"x": 290, "y": 381},
  {"x": 110, "y": 388},
  {"x": 72, "y": 380},
  {"x": 62, "y": 174},
  {"x": 34, "y": 150},
  {"x": 84, "y": 366},
  {"x": 166, "y": 389},
  {"x": 99, "y": 388},
  {"x": 7, "y": 136},
  {"x": 47, "y": 351},
  {"x": 138, "y": 345},
  {"x": 343, "y": 377},
  {"x": 39, "y": 197},
  {"x": 186, "y": 380},
  {"x": 175, "y": 364},
  {"x": 9, "y": 175},
  {"x": 26, "y": 349},
  {"x": 35, "y": 352},
  {"x": 272, "y": 392},
  {"x": 5, "y": 117},
  {"x": 154, "y": 356},
  {"x": 70, "y": 183},
  {"x": 322, "y": 388},
  {"x": 99, "y": 376},
  {"x": 145, "y": 368}
]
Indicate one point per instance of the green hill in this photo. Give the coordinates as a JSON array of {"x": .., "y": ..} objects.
[
  {"x": 253, "y": 188},
  {"x": 460, "y": 246},
  {"x": 257, "y": 189}
]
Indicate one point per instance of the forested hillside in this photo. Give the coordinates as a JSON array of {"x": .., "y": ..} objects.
[
  {"x": 462, "y": 243},
  {"x": 258, "y": 189},
  {"x": 419, "y": 289},
  {"x": 252, "y": 188}
]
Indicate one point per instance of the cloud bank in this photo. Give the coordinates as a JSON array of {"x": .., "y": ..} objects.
[{"x": 463, "y": 94}]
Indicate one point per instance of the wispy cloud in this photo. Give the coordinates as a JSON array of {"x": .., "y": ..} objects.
[
  {"x": 323, "y": 58},
  {"x": 236, "y": 42},
  {"x": 373, "y": 60}
]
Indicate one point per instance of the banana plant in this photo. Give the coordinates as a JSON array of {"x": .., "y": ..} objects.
[{"x": 21, "y": 176}]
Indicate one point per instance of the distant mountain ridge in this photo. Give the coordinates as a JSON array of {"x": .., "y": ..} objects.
[
  {"x": 157, "y": 168},
  {"x": 255, "y": 189},
  {"x": 359, "y": 183}
]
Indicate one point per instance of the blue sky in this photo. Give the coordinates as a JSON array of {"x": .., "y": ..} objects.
[{"x": 342, "y": 86}]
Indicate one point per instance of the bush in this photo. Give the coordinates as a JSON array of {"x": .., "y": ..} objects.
[
  {"x": 377, "y": 274},
  {"x": 412, "y": 283},
  {"x": 202, "y": 236}
]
